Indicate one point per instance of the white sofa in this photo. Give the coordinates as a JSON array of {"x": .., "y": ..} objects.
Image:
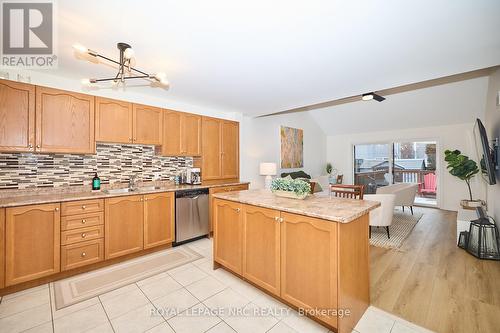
[
  {"x": 405, "y": 193},
  {"x": 381, "y": 216}
]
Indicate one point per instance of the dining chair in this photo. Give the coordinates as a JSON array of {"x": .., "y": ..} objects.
[{"x": 347, "y": 191}]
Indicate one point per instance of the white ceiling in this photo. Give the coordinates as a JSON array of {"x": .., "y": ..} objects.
[
  {"x": 260, "y": 57},
  {"x": 453, "y": 103}
]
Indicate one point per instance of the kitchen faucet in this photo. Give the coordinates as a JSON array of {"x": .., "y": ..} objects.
[{"x": 131, "y": 182}]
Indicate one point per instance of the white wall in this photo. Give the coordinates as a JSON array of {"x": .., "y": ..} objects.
[
  {"x": 492, "y": 124},
  {"x": 451, "y": 189},
  {"x": 260, "y": 142}
]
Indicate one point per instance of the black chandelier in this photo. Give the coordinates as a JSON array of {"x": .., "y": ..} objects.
[{"x": 125, "y": 69}]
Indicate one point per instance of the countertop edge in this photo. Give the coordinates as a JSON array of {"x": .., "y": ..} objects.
[
  {"x": 222, "y": 196},
  {"x": 38, "y": 199}
]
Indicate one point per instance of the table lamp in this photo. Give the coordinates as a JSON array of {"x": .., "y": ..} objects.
[{"x": 268, "y": 170}]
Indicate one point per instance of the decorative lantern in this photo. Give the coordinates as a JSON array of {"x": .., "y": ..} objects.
[{"x": 483, "y": 240}]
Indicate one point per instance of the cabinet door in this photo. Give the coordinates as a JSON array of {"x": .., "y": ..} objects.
[
  {"x": 228, "y": 234},
  {"x": 211, "y": 148},
  {"x": 2, "y": 248},
  {"x": 230, "y": 149},
  {"x": 309, "y": 263},
  {"x": 113, "y": 120},
  {"x": 17, "y": 116},
  {"x": 32, "y": 242},
  {"x": 64, "y": 122},
  {"x": 148, "y": 125},
  {"x": 191, "y": 135},
  {"x": 219, "y": 189},
  {"x": 261, "y": 247},
  {"x": 123, "y": 225},
  {"x": 171, "y": 133},
  {"x": 159, "y": 217}
]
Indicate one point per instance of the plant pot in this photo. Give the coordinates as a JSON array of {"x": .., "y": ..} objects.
[
  {"x": 289, "y": 194},
  {"x": 471, "y": 204}
]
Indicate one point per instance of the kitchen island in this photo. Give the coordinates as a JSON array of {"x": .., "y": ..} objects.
[{"x": 312, "y": 254}]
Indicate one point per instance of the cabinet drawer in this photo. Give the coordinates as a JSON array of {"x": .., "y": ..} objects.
[
  {"x": 81, "y": 254},
  {"x": 83, "y": 206},
  {"x": 82, "y": 234},
  {"x": 82, "y": 220}
]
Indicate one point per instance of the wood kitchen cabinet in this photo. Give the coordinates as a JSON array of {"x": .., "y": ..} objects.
[
  {"x": 123, "y": 225},
  {"x": 113, "y": 120},
  {"x": 17, "y": 116},
  {"x": 220, "y": 149},
  {"x": 64, "y": 121},
  {"x": 181, "y": 134},
  {"x": 2, "y": 248},
  {"x": 309, "y": 263},
  {"x": 211, "y": 148},
  {"x": 159, "y": 219},
  {"x": 261, "y": 247},
  {"x": 147, "y": 124},
  {"x": 32, "y": 248},
  {"x": 230, "y": 138},
  {"x": 220, "y": 189},
  {"x": 228, "y": 231}
]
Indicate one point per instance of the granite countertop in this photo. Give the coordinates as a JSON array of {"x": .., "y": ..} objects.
[
  {"x": 12, "y": 198},
  {"x": 319, "y": 206}
]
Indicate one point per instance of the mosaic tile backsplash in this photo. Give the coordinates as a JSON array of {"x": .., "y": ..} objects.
[{"x": 114, "y": 163}]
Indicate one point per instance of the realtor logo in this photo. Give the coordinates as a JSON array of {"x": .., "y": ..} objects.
[{"x": 28, "y": 38}]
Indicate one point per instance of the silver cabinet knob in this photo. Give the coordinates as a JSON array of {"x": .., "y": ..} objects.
[
  {"x": 84, "y": 235},
  {"x": 238, "y": 210},
  {"x": 30, "y": 146},
  {"x": 57, "y": 209},
  {"x": 83, "y": 207},
  {"x": 277, "y": 219},
  {"x": 84, "y": 221},
  {"x": 83, "y": 255},
  {"x": 38, "y": 146}
]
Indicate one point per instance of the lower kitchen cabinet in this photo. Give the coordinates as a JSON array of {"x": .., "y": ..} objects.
[
  {"x": 123, "y": 225},
  {"x": 2, "y": 248},
  {"x": 309, "y": 263},
  {"x": 261, "y": 247},
  {"x": 159, "y": 219},
  {"x": 81, "y": 254},
  {"x": 32, "y": 248},
  {"x": 228, "y": 232}
]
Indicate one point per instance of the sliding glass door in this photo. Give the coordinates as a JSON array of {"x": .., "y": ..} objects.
[{"x": 382, "y": 164}]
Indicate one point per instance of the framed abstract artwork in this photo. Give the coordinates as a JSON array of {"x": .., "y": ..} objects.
[{"x": 292, "y": 147}]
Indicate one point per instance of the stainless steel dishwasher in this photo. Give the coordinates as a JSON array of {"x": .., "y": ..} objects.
[{"x": 191, "y": 215}]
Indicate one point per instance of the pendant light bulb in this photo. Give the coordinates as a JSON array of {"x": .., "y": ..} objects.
[
  {"x": 128, "y": 53},
  {"x": 80, "y": 48}
]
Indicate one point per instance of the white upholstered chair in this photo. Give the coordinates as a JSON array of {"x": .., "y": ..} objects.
[
  {"x": 381, "y": 216},
  {"x": 405, "y": 193}
]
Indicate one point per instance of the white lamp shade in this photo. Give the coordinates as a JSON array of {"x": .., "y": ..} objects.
[{"x": 267, "y": 169}]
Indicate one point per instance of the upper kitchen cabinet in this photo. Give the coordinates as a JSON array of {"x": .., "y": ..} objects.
[
  {"x": 17, "y": 116},
  {"x": 211, "y": 148},
  {"x": 220, "y": 146},
  {"x": 64, "y": 121},
  {"x": 230, "y": 149},
  {"x": 147, "y": 124},
  {"x": 113, "y": 120},
  {"x": 181, "y": 134}
]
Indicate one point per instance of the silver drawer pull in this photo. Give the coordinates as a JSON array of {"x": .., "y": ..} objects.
[
  {"x": 84, "y": 221},
  {"x": 84, "y": 235},
  {"x": 83, "y": 255}
]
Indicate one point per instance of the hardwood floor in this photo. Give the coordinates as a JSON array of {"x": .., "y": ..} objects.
[{"x": 433, "y": 283}]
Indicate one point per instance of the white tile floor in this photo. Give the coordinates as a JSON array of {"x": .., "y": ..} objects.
[{"x": 179, "y": 300}]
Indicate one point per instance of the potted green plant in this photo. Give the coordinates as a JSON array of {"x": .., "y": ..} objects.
[
  {"x": 290, "y": 188},
  {"x": 465, "y": 169},
  {"x": 332, "y": 173}
]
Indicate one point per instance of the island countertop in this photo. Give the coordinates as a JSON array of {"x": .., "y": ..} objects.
[{"x": 320, "y": 206}]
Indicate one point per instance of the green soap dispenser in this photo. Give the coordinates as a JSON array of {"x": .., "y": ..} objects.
[{"x": 96, "y": 183}]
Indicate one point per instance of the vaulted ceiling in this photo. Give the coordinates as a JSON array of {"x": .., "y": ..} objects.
[{"x": 260, "y": 57}]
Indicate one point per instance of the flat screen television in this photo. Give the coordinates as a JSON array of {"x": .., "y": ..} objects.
[{"x": 485, "y": 154}]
